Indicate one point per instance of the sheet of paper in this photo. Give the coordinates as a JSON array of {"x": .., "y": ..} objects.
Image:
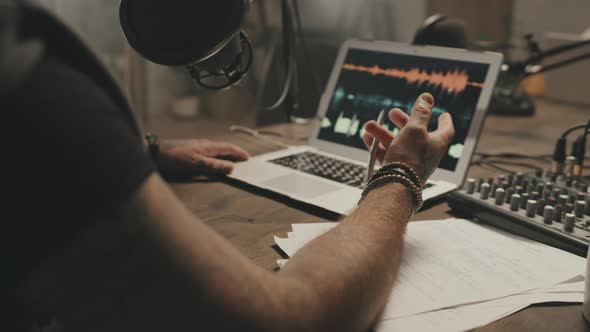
[
  {"x": 301, "y": 235},
  {"x": 468, "y": 317},
  {"x": 453, "y": 262},
  {"x": 291, "y": 245},
  {"x": 451, "y": 320},
  {"x": 456, "y": 261},
  {"x": 571, "y": 287},
  {"x": 282, "y": 262}
]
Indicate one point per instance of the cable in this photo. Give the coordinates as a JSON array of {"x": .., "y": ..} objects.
[
  {"x": 572, "y": 129},
  {"x": 288, "y": 33},
  {"x": 285, "y": 92},
  {"x": 560, "y": 153},
  {"x": 257, "y": 134},
  {"x": 495, "y": 163},
  {"x": 510, "y": 155},
  {"x": 306, "y": 50},
  {"x": 579, "y": 151}
]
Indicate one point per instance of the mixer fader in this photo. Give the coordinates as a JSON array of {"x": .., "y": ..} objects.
[{"x": 547, "y": 209}]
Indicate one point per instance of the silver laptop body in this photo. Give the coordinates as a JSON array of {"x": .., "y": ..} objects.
[{"x": 369, "y": 76}]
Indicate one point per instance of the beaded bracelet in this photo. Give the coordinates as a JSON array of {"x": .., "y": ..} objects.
[
  {"x": 412, "y": 175},
  {"x": 380, "y": 173},
  {"x": 396, "y": 178}
]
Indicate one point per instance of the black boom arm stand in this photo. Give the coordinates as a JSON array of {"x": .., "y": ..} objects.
[{"x": 508, "y": 98}]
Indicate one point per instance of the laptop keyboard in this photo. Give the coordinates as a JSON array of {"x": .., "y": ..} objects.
[
  {"x": 325, "y": 167},
  {"x": 328, "y": 168}
]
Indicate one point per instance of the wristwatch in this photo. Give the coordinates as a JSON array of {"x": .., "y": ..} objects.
[{"x": 153, "y": 142}]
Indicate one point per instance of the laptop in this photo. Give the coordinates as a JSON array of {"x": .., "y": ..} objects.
[{"x": 369, "y": 76}]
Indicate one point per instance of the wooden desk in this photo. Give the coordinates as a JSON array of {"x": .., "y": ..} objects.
[{"x": 249, "y": 221}]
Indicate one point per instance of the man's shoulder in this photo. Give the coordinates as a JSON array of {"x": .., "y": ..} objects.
[{"x": 54, "y": 82}]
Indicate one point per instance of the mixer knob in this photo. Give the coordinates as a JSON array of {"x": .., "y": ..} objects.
[
  {"x": 558, "y": 213},
  {"x": 485, "y": 191},
  {"x": 579, "y": 209},
  {"x": 515, "y": 202},
  {"x": 569, "y": 222},
  {"x": 519, "y": 178},
  {"x": 509, "y": 193},
  {"x": 568, "y": 208},
  {"x": 510, "y": 179},
  {"x": 562, "y": 199},
  {"x": 587, "y": 207},
  {"x": 470, "y": 187},
  {"x": 523, "y": 200},
  {"x": 541, "y": 206},
  {"x": 548, "y": 214},
  {"x": 571, "y": 198},
  {"x": 479, "y": 184},
  {"x": 531, "y": 208},
  {"x": 548, "y": 185},
  {"x": 525, "y": 185},
  {"x": 500, "y": 195},
  {"x": 493, "y": 188}
]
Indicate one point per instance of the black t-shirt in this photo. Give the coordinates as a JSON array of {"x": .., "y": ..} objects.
[{"x": 68, "y": 153}]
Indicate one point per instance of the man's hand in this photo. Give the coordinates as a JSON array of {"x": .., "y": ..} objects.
[
  {"x": 186, "y": 158},
  {"x": 414, "y": 145}
]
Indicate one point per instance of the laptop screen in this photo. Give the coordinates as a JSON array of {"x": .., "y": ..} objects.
[{"x": 372, "y": 80}]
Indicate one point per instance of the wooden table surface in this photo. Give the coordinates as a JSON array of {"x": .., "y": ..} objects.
[{"x": 249, "y": 218}]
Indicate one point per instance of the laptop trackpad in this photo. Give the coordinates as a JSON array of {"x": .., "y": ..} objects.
[{"x": 300, "y": 185}]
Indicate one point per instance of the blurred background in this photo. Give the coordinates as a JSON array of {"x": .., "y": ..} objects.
[{"x": 169, "y": 103}]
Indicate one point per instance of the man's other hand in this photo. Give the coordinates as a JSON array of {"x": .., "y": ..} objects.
[
  {"x": 414, "y": 145},
  {"x": 188, "y": 158}
]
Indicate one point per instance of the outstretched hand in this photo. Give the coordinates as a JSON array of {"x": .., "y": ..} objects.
[
  {"x": 414, "y": 145},
  {"x": 186, "y": 158}
]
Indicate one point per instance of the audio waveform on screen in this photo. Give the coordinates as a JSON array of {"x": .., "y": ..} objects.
[
  {"x": 452, "y": 82},
  {"x": 375, "y": 102},
  {"x": 350, "y": 108}
]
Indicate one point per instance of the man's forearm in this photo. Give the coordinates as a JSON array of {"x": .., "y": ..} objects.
[
  {"x": 190, "y": 276},
  {"x": 352, "y": 268}
]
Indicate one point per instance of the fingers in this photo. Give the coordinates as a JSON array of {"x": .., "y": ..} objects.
[
  {"x": 399, "y": 117},
  {"x": 379, "y": 132},
  {"x": 446, "y": 129},
  {"x": 422, "y": 111},
  {"x": 381, "y": 151},
  {"x": 216, "y": 166},
  {"x": 230, "y": 151},
  {"x": 368, "y": 139}
]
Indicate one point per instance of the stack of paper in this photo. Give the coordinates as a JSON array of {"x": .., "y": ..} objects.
[{"x": 456, "y": 275}]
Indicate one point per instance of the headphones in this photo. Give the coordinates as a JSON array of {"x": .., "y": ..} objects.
[{"x": 440, "y": 30}]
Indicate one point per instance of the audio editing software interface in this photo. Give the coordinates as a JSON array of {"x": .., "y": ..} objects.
[{"x": 371, "y": 81}]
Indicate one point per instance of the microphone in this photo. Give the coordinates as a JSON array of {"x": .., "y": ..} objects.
[{"x": 203, "y": 36}]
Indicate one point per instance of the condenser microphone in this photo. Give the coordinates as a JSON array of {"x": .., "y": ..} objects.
[{"x": 203, "y": 36}]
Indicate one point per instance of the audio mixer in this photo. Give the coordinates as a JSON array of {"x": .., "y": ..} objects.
[{"x": 549, "y": 209}]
